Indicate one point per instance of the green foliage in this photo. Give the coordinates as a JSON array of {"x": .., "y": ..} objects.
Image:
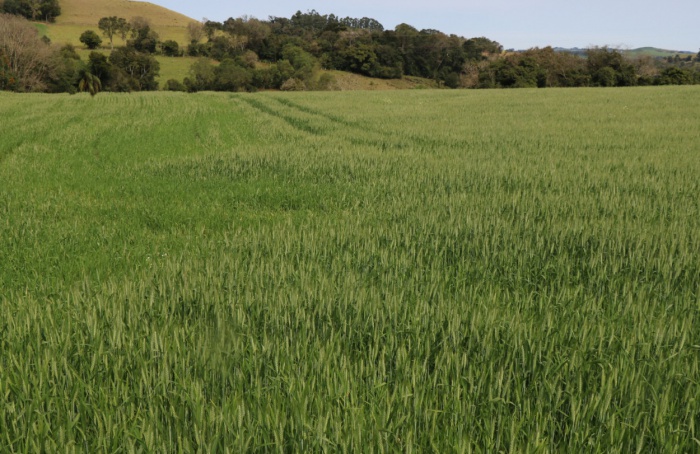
[
  {"x": 480, "y": 48},
  {"x": 230, "y": 75},
  {"x": 675, "y": 76},
  {"x": 198, "y": 50},
  {"x": 66, "y": 68},
  {"x": 114, "y": 26},
  {"x": 136, "y": 70},
  {"x": 604, "y": 77},
  {"x": 355, "y": 272},
  {"x": 510, "y": 73},
  {"x": 143, "y": 38},
  {"x": 91, "y": 39},
  {"x": 358, "y": 58},
  {"x": 326, "y": 82},
  {"x": 46, "y": 10},
  {"x": 609, "y": 68},
  {"x": 310, "y": 41},
  {"x": 90, "y": 83},
  {"x": 174, "y": 85},
  {"x": 99, "y": 65},
  {"x": 202, "y": 76},
  {"x": 170, "y": 48},
  {"x": 304, "y": 64}
]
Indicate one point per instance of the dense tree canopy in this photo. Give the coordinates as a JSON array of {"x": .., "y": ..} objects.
[
  {"x": 91, "y": 39},
  {"x": 45, "y": 10},
  {"x": 365, "y": 47},
  {"x": 113, "y": 26}
]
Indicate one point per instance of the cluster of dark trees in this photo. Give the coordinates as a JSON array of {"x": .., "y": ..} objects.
[
  {"x": 297, "y": 70},
  {"x": 599, "y": 67},
  {"x": 45, "y": 10},
  {"x": 363, "y": 46},
  {"x": 359, "y": 45},
  {"x": 29, "y": 63}
]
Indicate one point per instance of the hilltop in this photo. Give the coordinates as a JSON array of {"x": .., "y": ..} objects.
[
  {"x": 80, "y": 15},
  {"x": 638, "y": 52}
]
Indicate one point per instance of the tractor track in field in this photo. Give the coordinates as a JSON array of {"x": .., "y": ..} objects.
[
  {"x": 390, "y": 141},
  {"x": 296, "y": 123},
  {"x": 382, "y": 140},
  {"x": 311, "y": 111}
]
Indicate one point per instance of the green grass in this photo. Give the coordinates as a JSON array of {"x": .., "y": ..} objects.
[{"x": 414, "y": 271}]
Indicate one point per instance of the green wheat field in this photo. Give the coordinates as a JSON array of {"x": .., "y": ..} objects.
[{"x": 413, "y": 271}]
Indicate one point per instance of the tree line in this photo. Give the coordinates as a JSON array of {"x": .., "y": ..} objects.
[
  {"x": 247, "y": 54},
  {"x": 364, "y": 46},
  {"x": 44, "y": 10}
]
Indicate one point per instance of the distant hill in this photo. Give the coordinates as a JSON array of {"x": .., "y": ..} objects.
[
  {"x": 80, "y": 15},
  {"x": 656, "y": 52},
  {"x": 639, "y": 52}
]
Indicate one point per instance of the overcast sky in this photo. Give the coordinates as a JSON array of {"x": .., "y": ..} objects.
[{"x": 670, "y": 24}]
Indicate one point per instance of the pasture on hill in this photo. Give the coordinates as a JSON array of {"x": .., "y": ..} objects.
[
  {"x": 80, "y": 15},
  {"x": 409, "y": 271}
]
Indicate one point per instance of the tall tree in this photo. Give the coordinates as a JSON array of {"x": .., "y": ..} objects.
[
  {"x": 195, "y": 31},
  {"x": 91, "y": 39},
  {"x": 479, "y": 48},
  {"x": 113, "y": 26},
  {"x": 143, "y": 38},
  {"x": 32, "y": 9},
  {"x": 50, "y": 10},
  {"x": 139, "y": 69},
  {"x": 608, "y": 67}
]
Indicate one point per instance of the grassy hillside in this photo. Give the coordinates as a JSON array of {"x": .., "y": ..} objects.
[
  {"x": 414, "y": 271},
  {"x": 655, "y": 52},
  {"x": 80, "y": 15},
  {"x": 351, "y": 81}
]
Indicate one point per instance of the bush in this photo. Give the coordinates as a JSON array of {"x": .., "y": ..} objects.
[
  {"x": 136, "y": 70},
  {"x": 91, "y": 39},
  {"x": 231, "y": 76},
  {"x": 174, "y": 85},
  {"x": 293, "y": 84},
  {"x": 327, "y": 82},
  {"x": 170, "y": 48},
  {"x": 675, "y": 76}
]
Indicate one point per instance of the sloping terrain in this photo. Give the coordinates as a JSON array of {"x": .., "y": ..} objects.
[{"x": 80, "y": 15}]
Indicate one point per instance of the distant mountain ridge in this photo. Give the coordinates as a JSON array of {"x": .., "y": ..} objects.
[{"x": 640, "y": 51}]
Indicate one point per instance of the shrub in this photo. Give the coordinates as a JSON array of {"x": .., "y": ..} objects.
[
  {"x": 293, "y": 84},
  {"x": 170, "y": 48},
  {"x": 91, "y": 39},
  {"x": 174, "y": 85}
]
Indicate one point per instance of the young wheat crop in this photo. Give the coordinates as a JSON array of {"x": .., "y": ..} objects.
[{"x": 429, "y": 271}]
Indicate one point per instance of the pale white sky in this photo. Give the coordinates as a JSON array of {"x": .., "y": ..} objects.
[{"x": 671, "y": 24}]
